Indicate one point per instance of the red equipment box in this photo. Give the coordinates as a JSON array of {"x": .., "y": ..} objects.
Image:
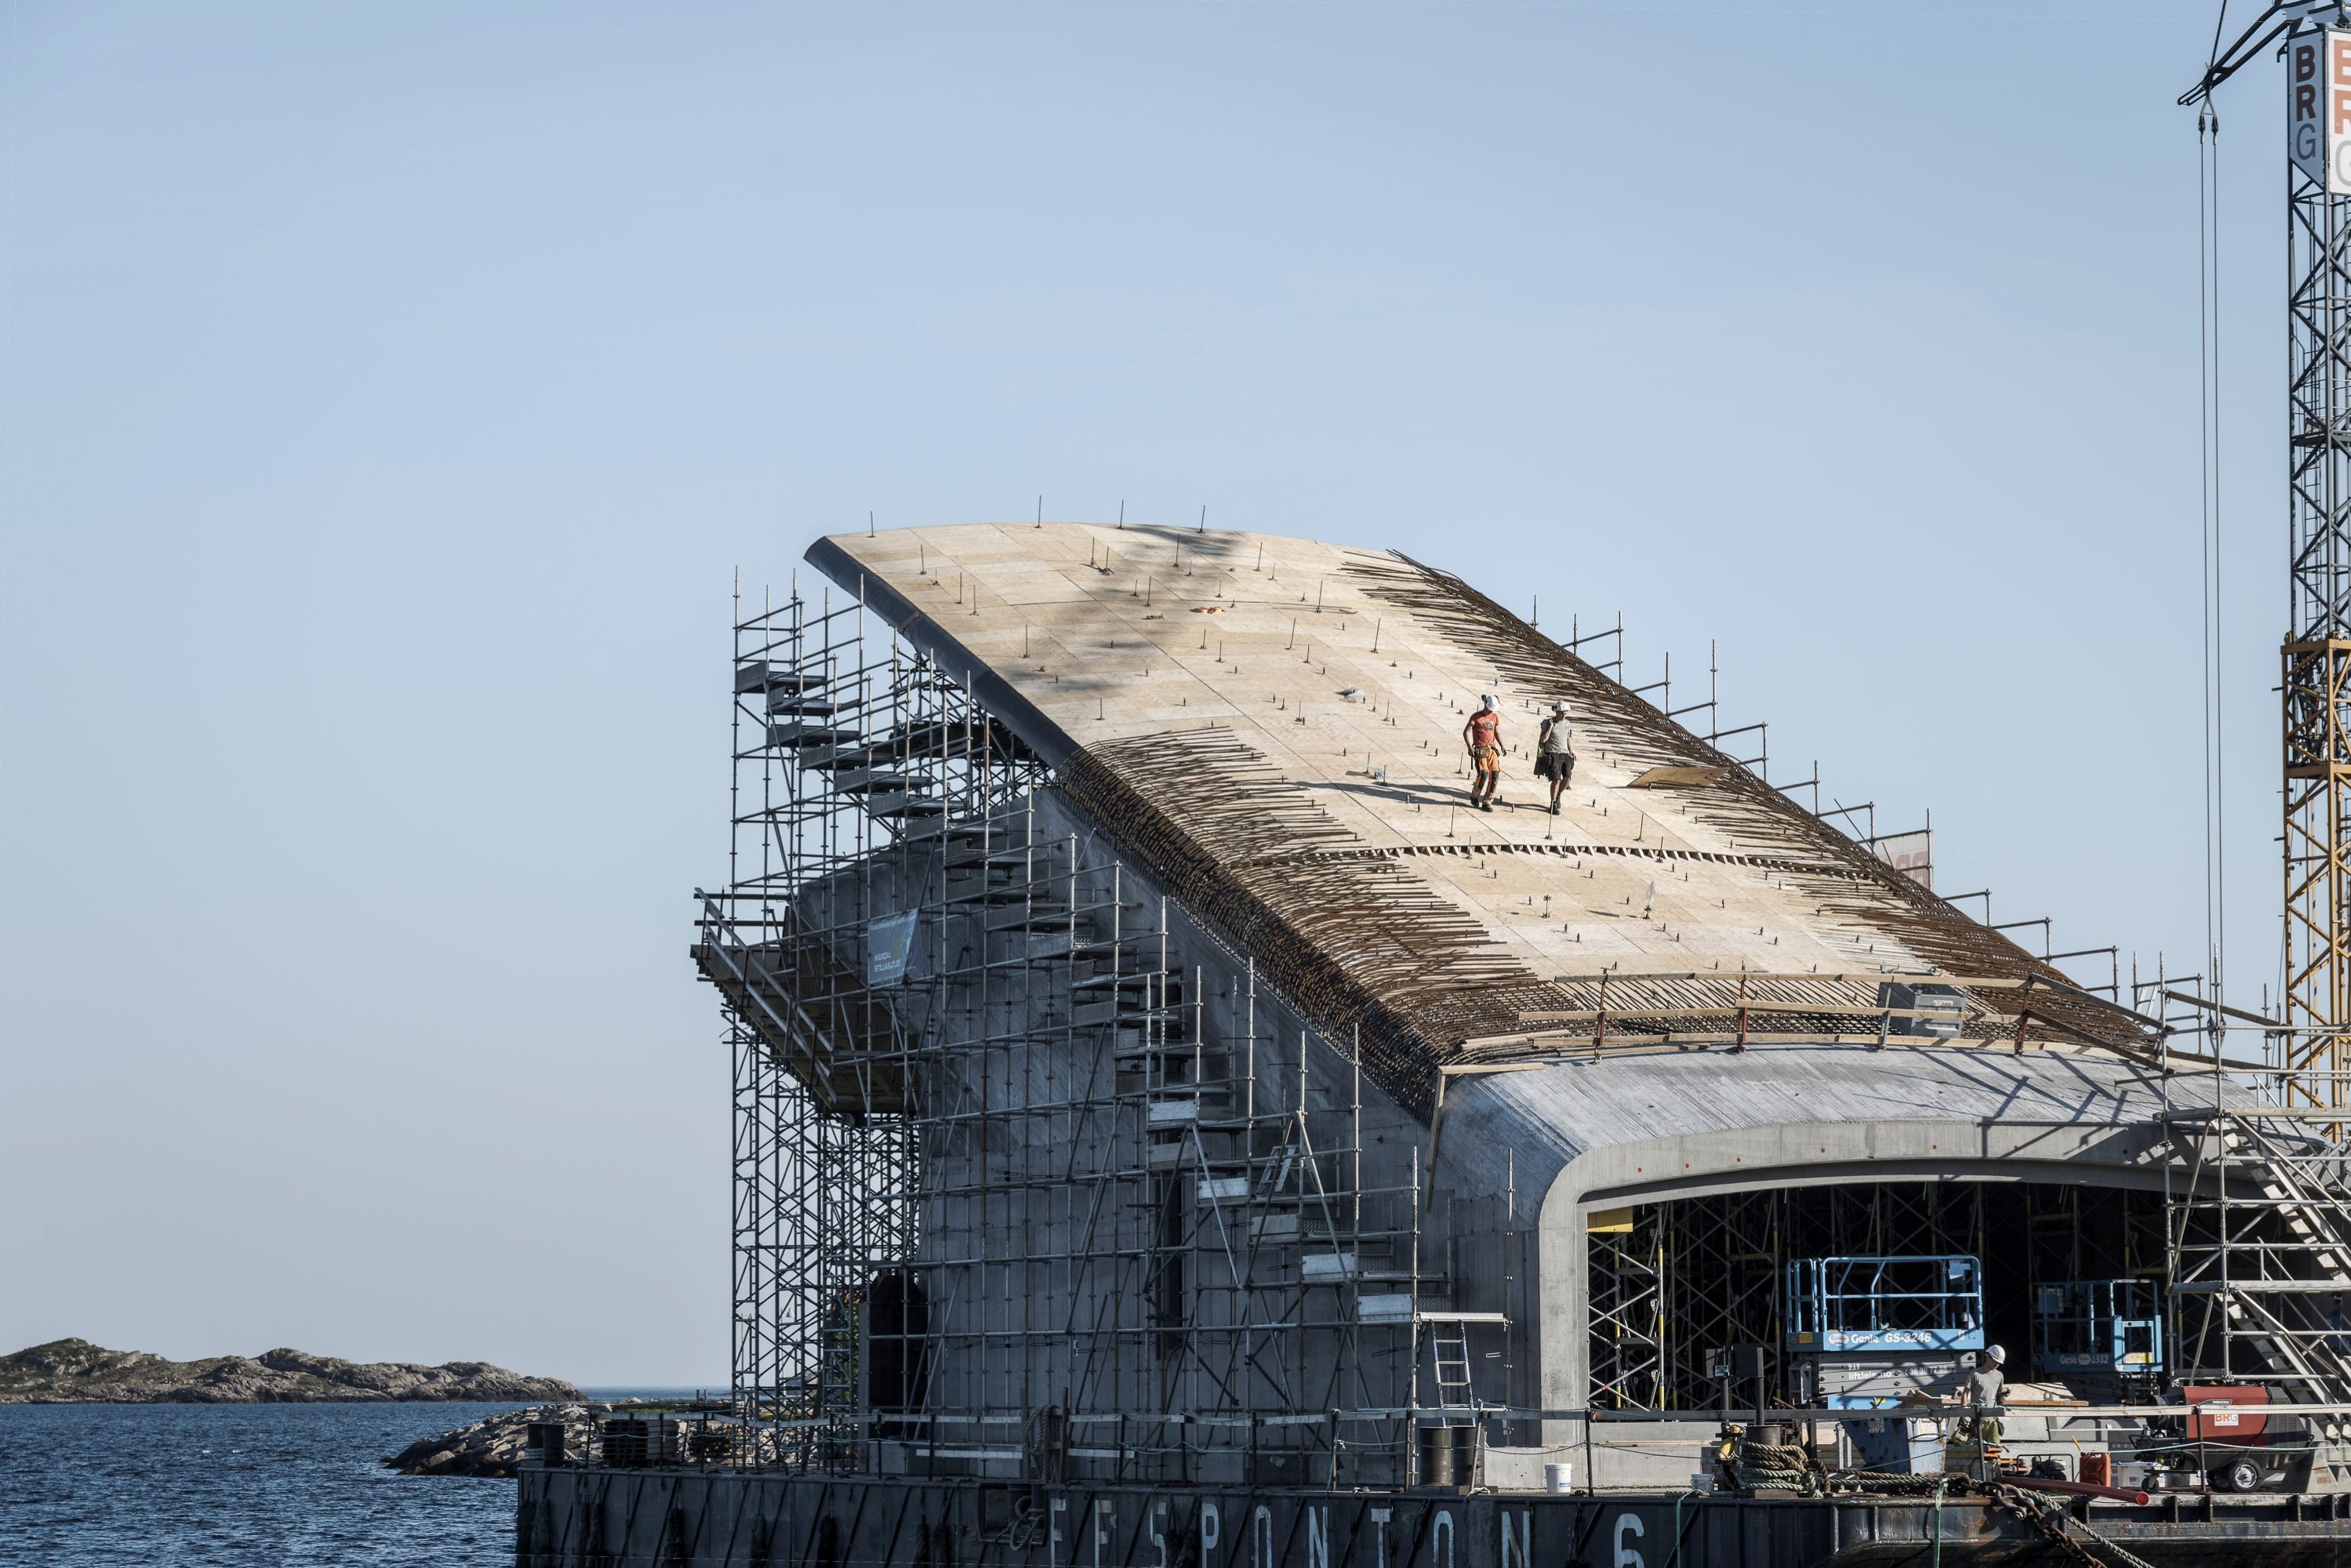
[{"x": 2242, "y": 1424}]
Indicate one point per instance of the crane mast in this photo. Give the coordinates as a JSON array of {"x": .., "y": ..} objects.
[
  {"x": 2316, "y": 651},
  {"x": 2260, "y": 1218},
  {"x": 2315, "y": 685}
]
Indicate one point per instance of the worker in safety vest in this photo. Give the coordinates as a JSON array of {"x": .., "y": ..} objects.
[{"x": 1483, "y": 736}]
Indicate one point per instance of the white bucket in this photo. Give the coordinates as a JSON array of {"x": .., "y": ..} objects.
[{"x": 1559, "y": 1477}]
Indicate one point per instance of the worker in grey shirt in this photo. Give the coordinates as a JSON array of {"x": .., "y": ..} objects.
[
  {"x": 1984, "y": 1388},
  {"x": 1986, "y": 1384},
  {"x": 1983, "y": 1385}
]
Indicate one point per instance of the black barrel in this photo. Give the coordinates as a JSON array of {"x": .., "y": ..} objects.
[
  {"x": 544, "y": 1441},
  {"x": 1449, "y": 1456}
]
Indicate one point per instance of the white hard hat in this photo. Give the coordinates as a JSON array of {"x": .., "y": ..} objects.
[
  {"x": 1486, "y": 701},
  {"x": 1994, "y": 1352},
  {"x": 1559, "y": 707}
]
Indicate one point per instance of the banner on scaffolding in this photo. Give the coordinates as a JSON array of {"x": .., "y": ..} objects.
[
  {"x": 889, "y": 944},
  {"x": 1912, "y": 855}
]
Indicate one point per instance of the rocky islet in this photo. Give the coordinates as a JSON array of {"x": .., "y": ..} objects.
[{"x": 75, "y": 1370}]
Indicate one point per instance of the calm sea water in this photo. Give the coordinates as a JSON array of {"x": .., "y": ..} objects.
[{"x": 244, "y": 1486}]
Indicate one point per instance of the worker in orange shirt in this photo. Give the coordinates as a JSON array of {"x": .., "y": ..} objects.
[{"x": 1483, "y": 736}]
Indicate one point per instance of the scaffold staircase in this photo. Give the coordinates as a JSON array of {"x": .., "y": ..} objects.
[
  {"x": 1225, "y": 1218},
  {"x": 2263, "y": 1236}
]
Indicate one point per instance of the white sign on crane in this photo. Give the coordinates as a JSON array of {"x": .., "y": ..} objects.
[{"x": 2318, "y": 106}]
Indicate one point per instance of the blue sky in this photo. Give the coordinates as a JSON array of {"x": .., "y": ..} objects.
[{"x": 389, "y": 396}]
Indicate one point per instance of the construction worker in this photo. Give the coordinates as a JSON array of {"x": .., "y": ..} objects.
[
  {"x": 1981, "y": 1385},
  {"x": 1982, "y": 1391},
  {"x": 1555, "y": 759},
  {"x": 1987, "y": 1386},
  {"x": 1483, "y": 736},
  {"x": 1987, "y": 1383}
]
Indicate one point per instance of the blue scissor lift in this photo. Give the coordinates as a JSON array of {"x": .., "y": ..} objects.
[
  {"x": 1865, "y": 1333},
  {"x": 2100, "y": 1338}
]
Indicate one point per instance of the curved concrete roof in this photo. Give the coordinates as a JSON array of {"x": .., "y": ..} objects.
[
  {"x": 1274, "y": 725},
  {"x": 1657, "y": 1126}
]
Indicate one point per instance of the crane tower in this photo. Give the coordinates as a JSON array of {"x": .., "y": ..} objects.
[
  {"x": 2315, "y": 654},
  {"x": 2259, "y": 1246}
]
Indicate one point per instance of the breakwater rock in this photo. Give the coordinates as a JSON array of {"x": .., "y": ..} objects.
[
  {"x": 493, "y": 1446},
  {"x": 73, "y": 1371}
]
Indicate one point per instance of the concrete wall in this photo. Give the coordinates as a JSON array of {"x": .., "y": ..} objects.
[{"x": 1070, "y": 1252}]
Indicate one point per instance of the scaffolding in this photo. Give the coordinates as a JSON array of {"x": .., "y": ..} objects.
[
  {"x": 2257, "y": 1202},
  {"x": 2260, "y": 1222},
  {"x": 1032, "y": 1173},
  {"x": 1673, "y": 1282}
]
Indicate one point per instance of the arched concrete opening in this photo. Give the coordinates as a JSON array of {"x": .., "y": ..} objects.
[
  {"x": 1590, "y": 1138},
  {"x": 2031, "y": 1159}
]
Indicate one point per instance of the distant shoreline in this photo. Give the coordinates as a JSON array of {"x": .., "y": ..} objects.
[
  {"x": 102, "y": 1402},
  {"x": 76, "y": 1371}
]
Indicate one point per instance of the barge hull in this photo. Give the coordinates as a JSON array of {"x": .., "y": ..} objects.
[{"x": 595, "y": 1517}]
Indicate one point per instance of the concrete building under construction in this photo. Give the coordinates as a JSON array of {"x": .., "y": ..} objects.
[{"x": 1163, "y": 1109}]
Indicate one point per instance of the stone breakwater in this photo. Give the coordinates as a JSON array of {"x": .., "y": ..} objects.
[
  {"x": 73, "y": 1371},
  {"x": 493, "y": 1446}
]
